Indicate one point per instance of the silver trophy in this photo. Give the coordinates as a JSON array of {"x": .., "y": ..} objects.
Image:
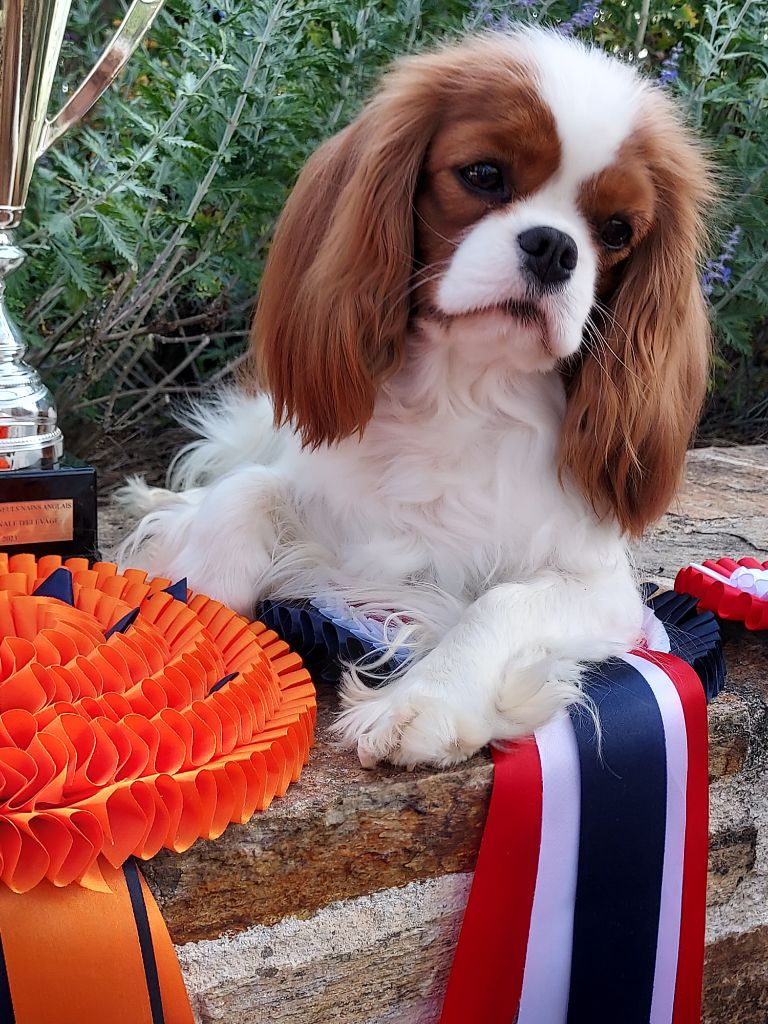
[{"x": 31, "y": 35}]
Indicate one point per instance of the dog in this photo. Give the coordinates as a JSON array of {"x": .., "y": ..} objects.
[{"x": 483, "y": 350}]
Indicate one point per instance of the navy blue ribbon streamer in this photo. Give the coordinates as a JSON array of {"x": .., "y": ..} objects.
[
  {"x": 7, "y": 1014},
  {"x": 621, "y": 850},
  {"x": 133, "y": 881}
]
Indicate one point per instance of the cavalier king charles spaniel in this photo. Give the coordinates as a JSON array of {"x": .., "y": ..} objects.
[{"x": 483, "y": 348}]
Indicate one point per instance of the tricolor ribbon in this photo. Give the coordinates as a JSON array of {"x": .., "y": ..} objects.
[{"x": 588, "y": 900}]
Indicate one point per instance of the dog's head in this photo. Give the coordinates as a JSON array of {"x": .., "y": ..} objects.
[{"x": 541, "y": 204}]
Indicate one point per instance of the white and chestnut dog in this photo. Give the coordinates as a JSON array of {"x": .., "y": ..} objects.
[{"x": 485, "y": 346}]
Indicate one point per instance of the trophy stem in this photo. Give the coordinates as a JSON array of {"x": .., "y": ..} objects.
[
  {"x": 29, "y": 437},
  {"x": 12, "y": 348}
]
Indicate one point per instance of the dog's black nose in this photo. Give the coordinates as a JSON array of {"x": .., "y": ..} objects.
[{"x": 549, "y": 255}]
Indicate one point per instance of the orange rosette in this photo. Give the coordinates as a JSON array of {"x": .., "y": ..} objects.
[{"x": 133, "y": 718}]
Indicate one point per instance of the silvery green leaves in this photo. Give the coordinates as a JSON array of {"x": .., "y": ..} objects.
[{"x": 147, "y": 232}]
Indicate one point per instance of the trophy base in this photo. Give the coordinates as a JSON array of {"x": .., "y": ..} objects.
[{"x": 50, "y": 511}]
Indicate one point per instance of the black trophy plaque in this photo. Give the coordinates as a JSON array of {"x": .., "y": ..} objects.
[{"x": 49, "y": 511}]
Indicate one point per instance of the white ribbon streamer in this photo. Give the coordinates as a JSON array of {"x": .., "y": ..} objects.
[{"x": 547, "y": 977}]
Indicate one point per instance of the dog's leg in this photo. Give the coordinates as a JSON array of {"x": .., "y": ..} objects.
[
  {"x": 512, "y": 662},
  {"x": 220, "y": 537}
]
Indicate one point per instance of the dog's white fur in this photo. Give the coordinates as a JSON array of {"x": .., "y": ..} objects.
[{"x": 448, "y": 510}]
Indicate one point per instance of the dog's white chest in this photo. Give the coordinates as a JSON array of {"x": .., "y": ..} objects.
[{"x": 451, "y": 499}]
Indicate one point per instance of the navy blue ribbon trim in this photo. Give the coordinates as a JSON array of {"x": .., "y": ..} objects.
[
  {"x": 694, "y": 636},
  {"x": 7, "y": 1015},
  {"x": 122, "y": 624},
  {"x": 222, "y": 682},
  {"x": 133, "y": 881},
  {"x": 178, "y": 590},
  {"x": 621, "y": 850},
  {"x": 322, "y": 643},
  {"x": 58, "y": 585}
]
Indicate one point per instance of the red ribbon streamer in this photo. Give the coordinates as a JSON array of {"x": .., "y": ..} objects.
[{"x": 494, "y": 934}]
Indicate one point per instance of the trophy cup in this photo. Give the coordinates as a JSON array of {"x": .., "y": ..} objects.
[{"x": 47, "y": 500}]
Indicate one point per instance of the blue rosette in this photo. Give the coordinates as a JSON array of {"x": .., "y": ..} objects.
[
  {"x": 694, "y": 636},
  {"x": 329, "y": 634}
]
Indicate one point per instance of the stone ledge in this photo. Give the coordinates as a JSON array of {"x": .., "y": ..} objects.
[
  {"x": 342, "y": 832},
  {"x": 343, "y": 902},
  {"x": 382, "y": 958},
  {"x": 732, "y": 856},
  {"x": 735, "y": 979}
]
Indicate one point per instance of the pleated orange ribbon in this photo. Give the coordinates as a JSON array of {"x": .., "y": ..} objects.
[{"x": 131, "y": 719}]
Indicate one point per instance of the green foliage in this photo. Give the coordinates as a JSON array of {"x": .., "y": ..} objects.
[
  {"x": 147, "y": 227},
  {"x": 727, "y": 96}
]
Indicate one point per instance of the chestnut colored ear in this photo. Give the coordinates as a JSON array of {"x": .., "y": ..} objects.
[
  {"x": 334, "y": 301},
  {"x": 634, "y": 402}
]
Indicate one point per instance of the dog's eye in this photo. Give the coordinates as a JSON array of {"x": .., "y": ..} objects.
[
  {"x": 616, "y": 233},
  {"x": 484, "y": 177}
]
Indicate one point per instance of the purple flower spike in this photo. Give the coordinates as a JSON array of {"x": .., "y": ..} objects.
[
  {"x": 483, "y": 14},
  {"x": 717, "y": 271},
  {"x": 670, "y": 68},
  {"x": 583, "y": 18}
]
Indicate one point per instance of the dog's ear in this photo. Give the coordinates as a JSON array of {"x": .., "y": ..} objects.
[
  {"x": 334, "y": 302},
  {"x": 635, "y": 400}
]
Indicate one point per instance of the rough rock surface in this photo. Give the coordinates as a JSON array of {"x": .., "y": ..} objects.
[{"x": 343, "y": 902}]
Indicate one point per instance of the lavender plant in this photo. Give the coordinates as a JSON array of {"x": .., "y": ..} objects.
[
  {"x": 718, "y": 270},
  {"x": 670, "y": 66},
  {"x": 581, "y": 18},
  {"x": 148, "y": 228}
]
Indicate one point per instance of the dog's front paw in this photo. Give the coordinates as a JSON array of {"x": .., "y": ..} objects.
[
  {"x": 417, "y": 719},
  {"x": 433, "y": 715}
]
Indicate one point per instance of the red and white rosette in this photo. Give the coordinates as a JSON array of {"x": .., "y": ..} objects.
[{"x": 737, "y": 591}]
